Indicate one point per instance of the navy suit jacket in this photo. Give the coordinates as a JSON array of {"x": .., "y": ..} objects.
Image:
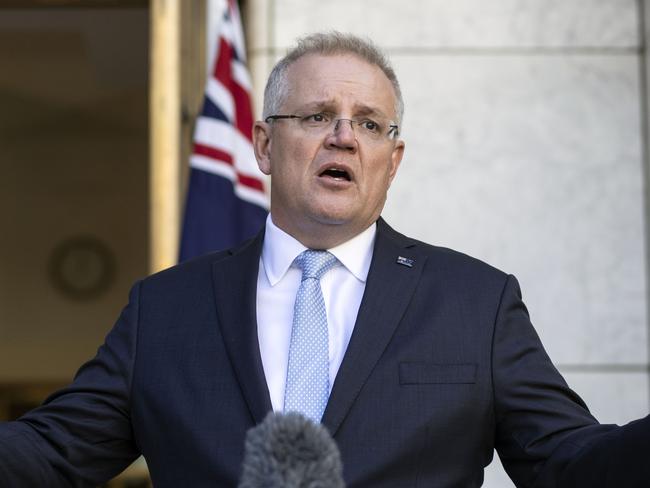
[{"x": 442, "y": 367}]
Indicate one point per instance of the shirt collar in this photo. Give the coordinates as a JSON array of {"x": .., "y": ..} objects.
[{"x": 280, "y": 249}]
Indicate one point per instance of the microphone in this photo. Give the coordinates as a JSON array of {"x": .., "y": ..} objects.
[{"x": 290, "y": 451}]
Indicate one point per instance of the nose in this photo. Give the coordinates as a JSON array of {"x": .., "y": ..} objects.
[{"x": 343, "y": 136}]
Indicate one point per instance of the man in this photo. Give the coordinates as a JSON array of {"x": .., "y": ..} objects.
[{"x": 431, "y": 361}]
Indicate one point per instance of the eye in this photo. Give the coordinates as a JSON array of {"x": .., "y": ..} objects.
[
  {"x": 370, "y": 126},
  {"x": 318, "y": 118}
]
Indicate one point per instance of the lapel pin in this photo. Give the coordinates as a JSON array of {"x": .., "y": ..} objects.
[{"x": 405, "y": 261}]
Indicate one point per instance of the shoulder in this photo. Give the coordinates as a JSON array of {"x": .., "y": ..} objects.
[
  {"x": 443, "y": 261},
  {"x": 196, "y": 274}
]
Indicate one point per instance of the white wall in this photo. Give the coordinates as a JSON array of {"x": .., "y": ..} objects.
[{"x": 524, "y": 148}]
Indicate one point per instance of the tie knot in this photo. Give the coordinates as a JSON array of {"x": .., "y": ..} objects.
[{"x": 315, "y": 264}]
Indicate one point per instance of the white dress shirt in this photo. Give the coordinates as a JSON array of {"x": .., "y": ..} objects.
[{"x": 277, "y": 284}]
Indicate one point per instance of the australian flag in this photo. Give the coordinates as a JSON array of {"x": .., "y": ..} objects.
[{"x": 226, "y": 199}]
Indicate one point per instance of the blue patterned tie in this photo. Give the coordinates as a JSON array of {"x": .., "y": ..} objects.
[{"x": 307, "y": 386}]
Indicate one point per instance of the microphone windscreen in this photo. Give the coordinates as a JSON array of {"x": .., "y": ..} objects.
[{"x": 290, "y": 451}]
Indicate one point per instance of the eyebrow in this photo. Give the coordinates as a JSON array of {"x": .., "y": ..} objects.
[{"x": 329, "y": 106}]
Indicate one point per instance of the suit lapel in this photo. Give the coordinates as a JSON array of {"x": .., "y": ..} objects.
[
  {"x": 394, "y": 273},
  {"x": 235, "y": 285}
]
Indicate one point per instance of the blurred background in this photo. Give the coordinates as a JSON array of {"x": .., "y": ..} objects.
[{"x": 526, "y": 130}]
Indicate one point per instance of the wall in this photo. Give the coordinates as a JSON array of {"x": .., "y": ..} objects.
[{"x": 525, "y": 148}]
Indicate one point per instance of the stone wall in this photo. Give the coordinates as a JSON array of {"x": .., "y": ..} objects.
[{"x": 525, "y": 148}]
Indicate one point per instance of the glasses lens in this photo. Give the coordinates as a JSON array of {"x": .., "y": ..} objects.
[{"x": 370, "y": 129}]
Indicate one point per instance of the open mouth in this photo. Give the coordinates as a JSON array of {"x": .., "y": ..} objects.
[{"x": 337, "y": 174}]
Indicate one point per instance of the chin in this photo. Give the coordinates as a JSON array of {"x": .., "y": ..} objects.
[
  {"x": 329, "y": 219},
  {"x": 333, "y": 216}
]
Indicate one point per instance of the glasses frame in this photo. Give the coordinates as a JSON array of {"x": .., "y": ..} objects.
[{"x": 392, "y": 128}]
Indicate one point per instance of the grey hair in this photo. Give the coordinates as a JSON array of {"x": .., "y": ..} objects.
[{"x": 326, "y": 44}]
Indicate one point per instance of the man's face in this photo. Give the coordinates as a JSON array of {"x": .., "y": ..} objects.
[{"x": 328, "y": 187}]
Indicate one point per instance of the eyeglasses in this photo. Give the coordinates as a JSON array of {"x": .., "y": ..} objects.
[{"x": 323, "y": 123}]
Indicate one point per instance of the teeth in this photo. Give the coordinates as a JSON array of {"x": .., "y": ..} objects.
[{"x": 337, "y": 173}]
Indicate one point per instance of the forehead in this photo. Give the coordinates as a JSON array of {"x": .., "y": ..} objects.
[{"x": 344, "y": 80}]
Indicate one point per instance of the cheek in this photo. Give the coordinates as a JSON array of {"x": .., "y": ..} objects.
[
  {"x": 288, "y": 174},
  {"x": 379, "y": 178},
  {"x": 293, "y": 158},
  {"x": 301, "y": 155}
]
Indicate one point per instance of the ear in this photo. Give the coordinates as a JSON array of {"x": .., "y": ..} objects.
[
  {"x": 262, "y": 146},
  {"x": 396, "y": 159}
]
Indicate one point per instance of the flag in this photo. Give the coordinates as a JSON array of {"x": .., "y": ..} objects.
[{"x": 226, "y": 198}]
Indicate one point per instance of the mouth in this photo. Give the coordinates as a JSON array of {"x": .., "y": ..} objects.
[{"x": 338, "y": 173}]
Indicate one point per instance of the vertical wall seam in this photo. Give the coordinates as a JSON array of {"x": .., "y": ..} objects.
[{"x": 645, "y": 163}]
